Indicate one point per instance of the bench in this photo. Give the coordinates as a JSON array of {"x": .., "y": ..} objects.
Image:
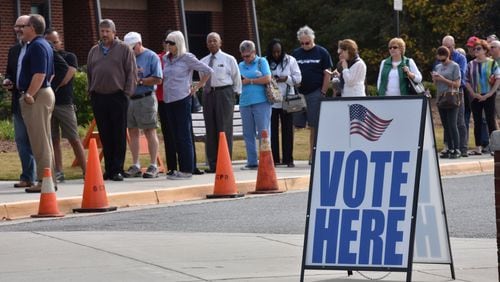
[{"x": 199, "y": 129}]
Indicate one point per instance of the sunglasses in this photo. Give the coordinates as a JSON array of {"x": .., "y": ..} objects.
[
  {"x": 394, "y": 47},
  {"x": 246, "y": 56},
  {"x": 305, "y": 43},
  {"x": 478, "y": 48},
  {"x": 21, "y": 26},
  {"x": 170, "y": 42}
]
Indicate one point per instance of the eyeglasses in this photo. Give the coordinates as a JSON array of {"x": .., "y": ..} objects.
[
  {"x": 493, "y": 47},
  {"x": 246, "y": 56},
  {"x": 478, "y": 48},
  {"x": 305, "y": 43},
  {"x": 170, "y": 42},
  {"x": 21, "y": 26},
  {"x": 394, "y": 47}
]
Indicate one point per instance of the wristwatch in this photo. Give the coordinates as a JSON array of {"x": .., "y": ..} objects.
[{"x": 141, "y": 82}]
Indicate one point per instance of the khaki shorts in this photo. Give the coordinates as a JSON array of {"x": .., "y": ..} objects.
[
  {"x": 64, "y": 120},
  {"x": 143, "y": 113}
]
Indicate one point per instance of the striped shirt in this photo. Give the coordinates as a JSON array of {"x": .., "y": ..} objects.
[{"x": 479, "y": 73}]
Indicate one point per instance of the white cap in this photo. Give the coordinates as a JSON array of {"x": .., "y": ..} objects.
[{"x": 132, "y": 38}]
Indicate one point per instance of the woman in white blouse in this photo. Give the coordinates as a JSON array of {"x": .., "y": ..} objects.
[
  {"x": 351, "y": 69},
  {"x": 286, "y": 72},
  {"x": 396, "y": 70}
]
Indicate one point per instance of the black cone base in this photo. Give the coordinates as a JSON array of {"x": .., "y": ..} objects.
[{"x": 82, "y": 210}]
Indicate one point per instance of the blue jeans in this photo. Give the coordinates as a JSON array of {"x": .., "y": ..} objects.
[
  {"x": 255, "y": 118},
  {"x": 24, "y": 149},
  {"x": 179, "y": 121}
]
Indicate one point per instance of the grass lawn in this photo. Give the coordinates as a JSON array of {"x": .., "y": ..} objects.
[{"x": 11, "y": 166}]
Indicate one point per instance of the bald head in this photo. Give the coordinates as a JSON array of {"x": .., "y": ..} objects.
[
  {"x": 495, "y": 49},
  {"x": 449, "y": 42},
  {"x": 213, "y": 42}
]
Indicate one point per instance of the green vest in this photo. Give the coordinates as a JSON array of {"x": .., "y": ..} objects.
[{"x": 384, "y": 78}]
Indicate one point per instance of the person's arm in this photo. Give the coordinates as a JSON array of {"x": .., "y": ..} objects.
[
  {"x": 35, "y": 85},
  {"x": 200, "y": 67},
  {"x": 355, "y": 73},
  {"x": 156, "y": 76},
  {"x": 235, "y": 75},
  {"x": 266, "y": 74},
  {"x": 414, "y": 74},
  {"x": 130, "y": 70},
  {"x": 380, "y": 74},
  {"x": 295, "y": 74}
]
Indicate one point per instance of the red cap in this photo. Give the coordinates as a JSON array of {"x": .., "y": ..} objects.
[{"x": 472, "y": 41}]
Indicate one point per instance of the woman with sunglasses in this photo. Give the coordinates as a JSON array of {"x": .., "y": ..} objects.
[
  {"x": 482, "y": 93},
  {"x": 178, "y": 67},
  {"x": 396, "y": 70},
  {"x": 447, "y": 78},
  {"x": 351, "y": 69}
]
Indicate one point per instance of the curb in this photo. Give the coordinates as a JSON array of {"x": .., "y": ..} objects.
[{"x": 17, "y": 210}]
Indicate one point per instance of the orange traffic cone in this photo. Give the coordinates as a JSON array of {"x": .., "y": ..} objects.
[
  {"x": 225, "y": 184},
  {"x": 94, "y": 193},
  {"x": 48, "y": 200},
  {"x": 266, "y": 175}
]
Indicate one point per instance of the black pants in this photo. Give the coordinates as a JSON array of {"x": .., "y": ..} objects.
[
  {"x": 218, "y": 107},
  {"x": 179, "y": 120},
  {"x": 477, "y": 111},
  {"x": 168, "y": 138},
  {"x": 110, "y": 112},
  {"x": 279, "y": 116}
]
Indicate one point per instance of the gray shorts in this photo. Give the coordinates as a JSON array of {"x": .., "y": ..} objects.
[
  {"x": 143, "y": 113},
  {"x": 311, "y": 115},
  {"x": 64, "y": 121}
]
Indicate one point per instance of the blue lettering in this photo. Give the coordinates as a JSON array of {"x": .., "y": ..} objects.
[
  {"x": 392, "y": 237},
  {"x": 372, "y": 227},
  {"x": 398, "y": 178},
  {"x": 325, "y": 235},
  {"x": 330, "y": 183},
  {"x": 380, "y": 159},
  {"x": 354, "y": 198},
  {"x": 347, "y": 235}
]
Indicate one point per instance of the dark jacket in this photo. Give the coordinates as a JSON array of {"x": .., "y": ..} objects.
[{"x": 11, "y": 73}]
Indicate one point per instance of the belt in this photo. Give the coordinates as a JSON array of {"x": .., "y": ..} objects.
[
  {"x": 219, "y": 87},
  {"x": 140, "y": 96}
]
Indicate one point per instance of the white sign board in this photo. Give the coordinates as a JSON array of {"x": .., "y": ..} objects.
[
  {"x": 398, "y": 5},
  {"x": 364, "y": 187}
]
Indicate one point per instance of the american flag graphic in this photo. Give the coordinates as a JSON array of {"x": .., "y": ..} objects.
[{"x": 366, "y": 123}]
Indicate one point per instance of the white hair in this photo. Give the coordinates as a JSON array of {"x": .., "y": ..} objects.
[
  {"x": 247, "y": 46},
  {"x": 178, "y": 38},
  {"x": 305, "y": 31}
]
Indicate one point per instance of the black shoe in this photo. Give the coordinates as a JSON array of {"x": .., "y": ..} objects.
[
  {"x": 464, "y": 154},
  {"x": 117, "y": 177},
  {"x": 455, "y": 154},
  {"x": 209, "y": 170},
  {"x": 171, "y": 172},
  {"x": 105, "y": 176},
  {"x": 445, "y": 155},
  {"x": 290, "y": 165},
  {"x": 196, "y": 171}
]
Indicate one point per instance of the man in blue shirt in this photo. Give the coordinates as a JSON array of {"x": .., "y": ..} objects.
[
  {"x": 143, "y": 108},
  {"x": 34, "y": 82},
  {"x": 313, "y": 60}
]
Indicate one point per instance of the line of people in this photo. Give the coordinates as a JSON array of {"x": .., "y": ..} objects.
[{"x": 130, "y": 86}]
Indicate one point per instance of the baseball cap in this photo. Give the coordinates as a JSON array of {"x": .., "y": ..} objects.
[
  {"x": 132, "y": 38},
  {"x": 472, "y": 41}
]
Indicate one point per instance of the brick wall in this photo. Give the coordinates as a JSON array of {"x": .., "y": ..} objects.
[
  {"x": 162, "y": 16},
  {"x": 7, "y": 35},
  {"x": 128, "y": 20},
  {"x": 238, "y": 25},
  {"x": 80, "y": 27}
]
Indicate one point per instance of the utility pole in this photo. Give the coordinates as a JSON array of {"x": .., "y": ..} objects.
[{"x": 398, "y": 7}]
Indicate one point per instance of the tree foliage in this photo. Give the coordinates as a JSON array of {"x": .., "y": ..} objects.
[{"x": 372, "y": 24}]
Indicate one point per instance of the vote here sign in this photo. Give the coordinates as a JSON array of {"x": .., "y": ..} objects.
[{"x": 364, "y": 184}]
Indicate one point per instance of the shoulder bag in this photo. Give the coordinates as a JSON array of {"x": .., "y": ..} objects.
[
  {"x": 273, "y": 93},
  {"x": 449, "y": 99},
  {"x": 293, "y": 103},
  {"x": 416, "y": 88}
]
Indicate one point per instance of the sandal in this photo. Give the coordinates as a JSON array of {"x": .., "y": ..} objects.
[{"x": 475, "y": 153}]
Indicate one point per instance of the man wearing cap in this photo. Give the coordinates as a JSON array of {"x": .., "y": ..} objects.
[
  {"x": 463, "y": 128},
  {"x": 219, "y": 98},
  {"x": 143, "y": 108},
  {"x": 112, "y": 76}
]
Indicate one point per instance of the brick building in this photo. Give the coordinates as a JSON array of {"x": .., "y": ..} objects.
[{"x": 77, "y": 21}]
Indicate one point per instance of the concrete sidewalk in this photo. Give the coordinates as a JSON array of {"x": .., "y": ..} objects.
[
  {"x": 171, "y": 256},
  {"x": 15, "y": 203}
]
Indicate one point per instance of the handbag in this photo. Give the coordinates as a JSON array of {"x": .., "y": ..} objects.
[
  {"x": 293, "y": 103},
  {"x": 273, "y": 92},
  {"x": 416, "y": 88},
  {"x": 449, "y": 99}
]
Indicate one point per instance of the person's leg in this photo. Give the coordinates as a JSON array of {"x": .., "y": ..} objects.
[
  {"x": 168, "y": 139},
  {"x": 183, "y": 142},
  {"x": 101, "y": 107},
  {"x": 287, "y": 138},
  {"x": 444, "y": 122},
  {"x": 249, "y": 134},
  {"x": 462, "y": 131},
  {"x": 118, "y": 120},
  {"x": 489, "y": 111},
  {"x": 69, "y": 130},
  {"x": 133, "y": 114},
  {"x": 56, "y": 139},
  {"x": 477, "y": 110},
  {"x": 134, "y": 134},
  {"x": 313, "y": 101},
  {"x": 225, "y": 100},
  {"x": 452, "y": 115},
  {"x": 485, "y": 137},
  {"x": 28, "y": 166},
  {"x": 212, "y": 136},
  {"x": 262, "y": 116},
  {"x": 275, "y": 139}
]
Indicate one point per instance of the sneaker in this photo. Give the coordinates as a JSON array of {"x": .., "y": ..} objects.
[
  {"x": 151, "y": 172},
  {"x": 445, "y": 155},
  {"x": 197, "y": 171},
  {"x": 59, "y": 176},
  {"x": 250, "y": 167},
  {"x": 455, "y": 154},
  {"x": 171, "y": 172},
  {"x": 179, "y": 175},
  {"x": 133, "y": 171}
]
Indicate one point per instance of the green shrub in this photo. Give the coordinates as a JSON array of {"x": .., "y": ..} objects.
[
  {"x": 6, "y": 130},
  {"x": 84, "y": 112},
  {"x": 5, "y": 101},
  {"x": 431, "y": 87},
  {"x": 371, "y": 90}
]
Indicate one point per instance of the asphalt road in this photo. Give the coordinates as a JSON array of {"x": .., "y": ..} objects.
[{"x": 469, "y": 204}]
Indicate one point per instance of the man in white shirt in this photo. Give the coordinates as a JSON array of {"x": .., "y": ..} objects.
[{"x": 219, "y": 98}]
